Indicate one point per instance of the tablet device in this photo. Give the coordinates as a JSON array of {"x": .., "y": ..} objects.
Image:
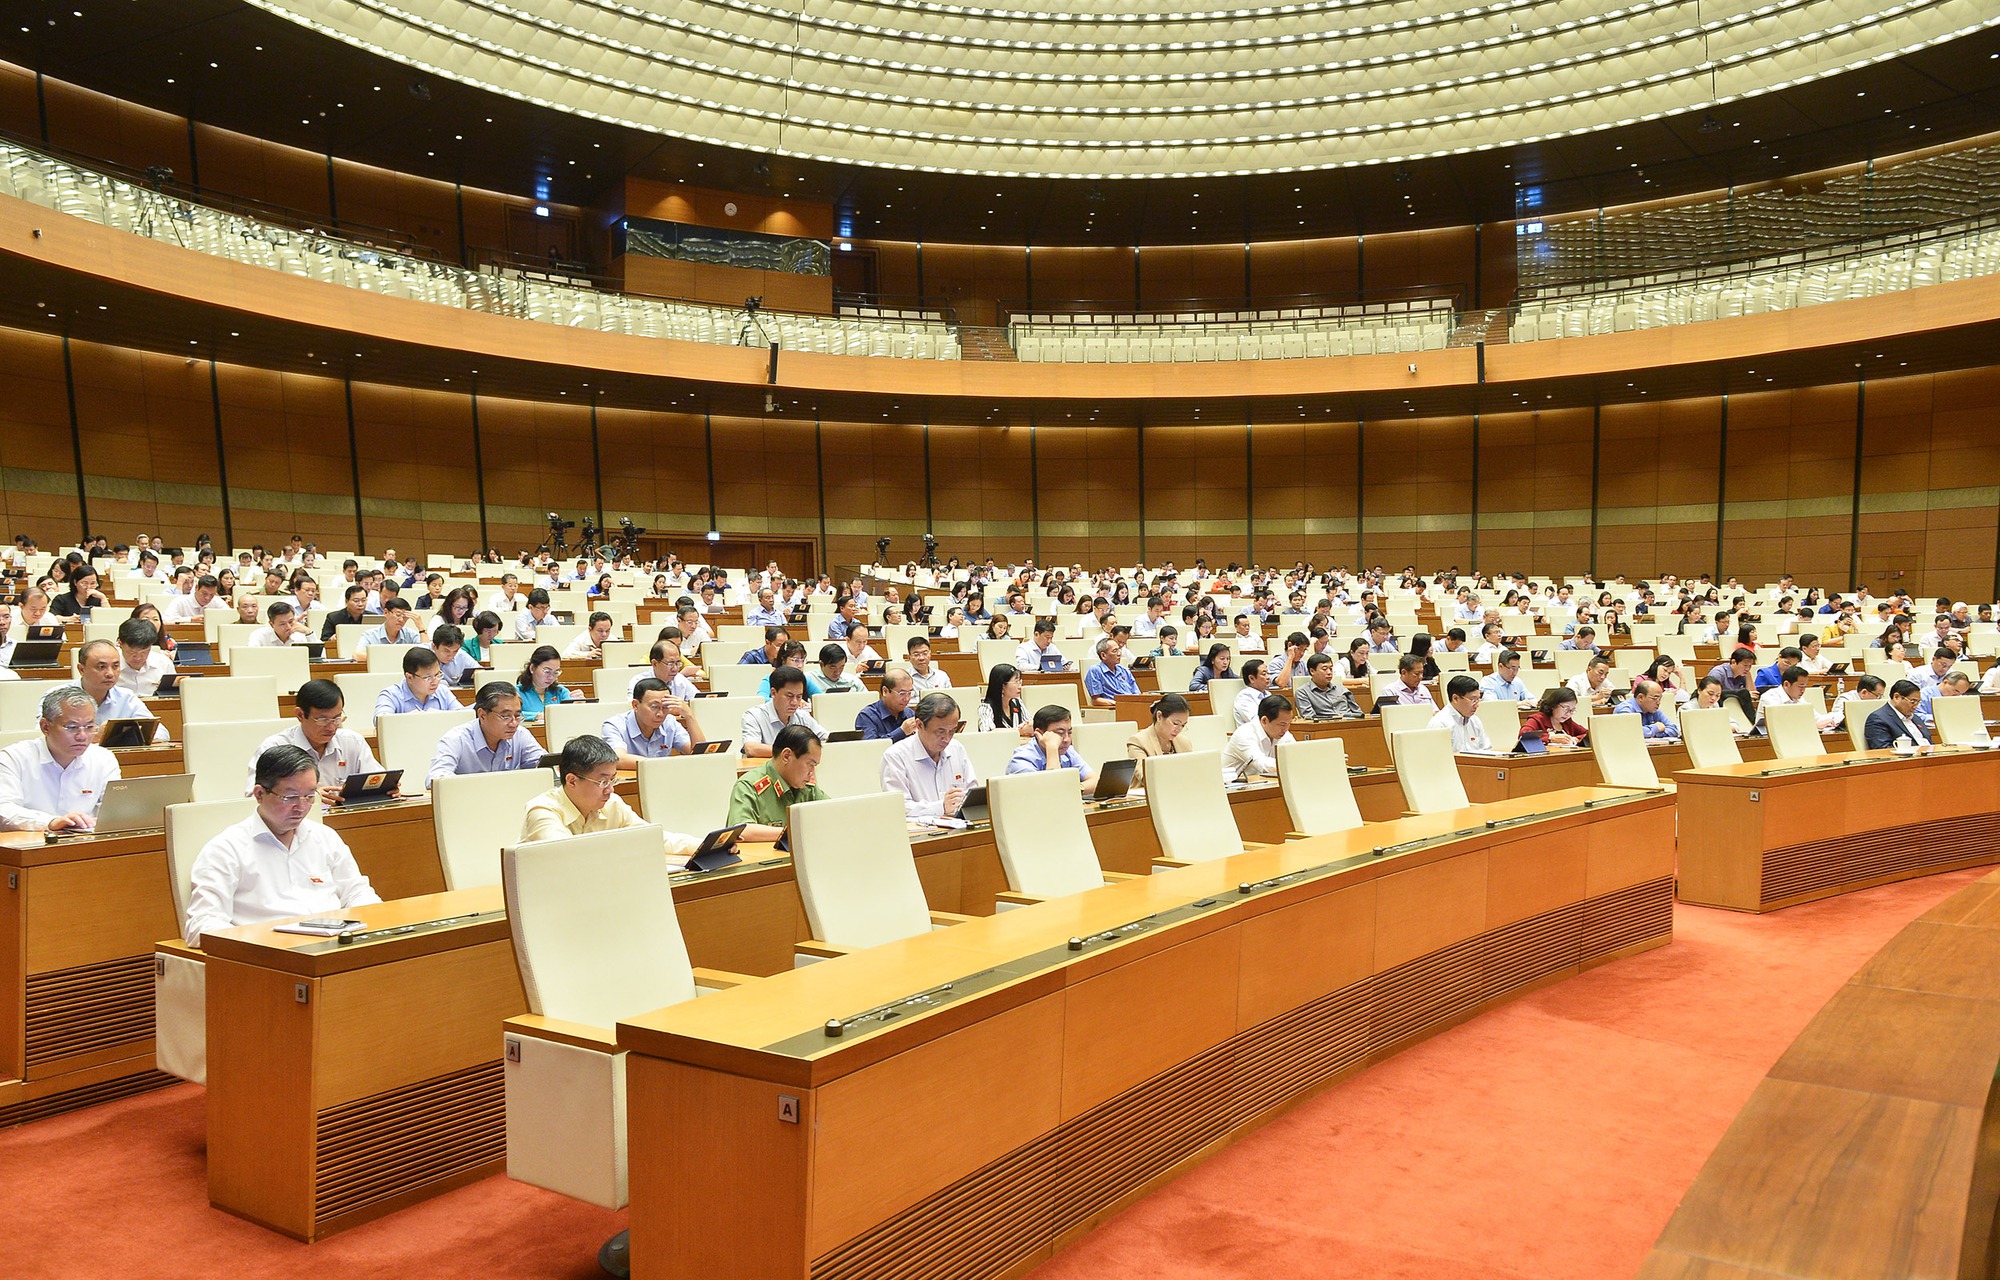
[
  {"x": 874, "y": 668},
  {"x": 134, "y": 731},
  {"x": 1114, "y": 780},
  {"x": 976, "y": 809},
  {"x": 193, "y": 654},
  {"x": 845, "y": 735},
  {"x": 1837, "y": 669},
  {"x": 718, "y": 850},
  {"x": 46, "y": 631},
  {"x": 29, "y": 654},
  {"x": 369, "y": 788},
  {"x": 1142, "y": 664},
  {"x": 1053, "y": 662},
  {"x": 1532, "y": 744},
  {"x": 712, "y": 748}
]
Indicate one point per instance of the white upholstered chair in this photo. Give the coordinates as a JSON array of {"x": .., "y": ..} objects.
[
  {"x": 476, "y": 815},
  {"x": 1427, "y": 770},
  {"x": 180, "y": 975},
  {"x": 687, "y": 793},
  {"x": 1044, "y": 843},
  {"x": 1619, "y": 743},
  {"x": 857, "y": 876},
  {"x": 1711, "y": 743},
  {"x": 1190, "y": 809},
  {"x": 1318, "y": 796}
]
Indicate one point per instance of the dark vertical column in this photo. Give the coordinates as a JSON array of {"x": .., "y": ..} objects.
[
  {"x": 221, "y": 454},
  {"x": 1034, "y": 494},
  {"x": 354, "y": 466},
  {"x": 194, "y": 158},
  {"x": 464, "y": 251},
  {"x": 1249, "y": 474},
  {"x": 1141, "y": 450},
  {"x": 1596, "y": 459},
  {"x": 479, "y": 468},
  {"x": 1360, "y": 495},
  {"x": 332, "y": 201},
  {"x": 930, "y": 518},
  {"x": 1473, "y": 567},
  {"x": 75, "y": 425},
  {"x": 596, "y": 463},
  {"x": 42, "y": 107},
  {"x": 1478, "y": 268},
  {"x": 1854, "y": 513},
  {"x": 708, "y": 448},
  {"x": 1721, "y": 488},
  {"x": 819, "y": 480},
  {"x": 1028, "y": 270},
  {"x": 920, "y": 284}
]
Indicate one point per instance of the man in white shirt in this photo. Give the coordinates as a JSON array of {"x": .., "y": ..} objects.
[
  {"x": 184, "y": 609},
  {"x": 787, "y": 706},
  {"x": 1253, "y": 748},
  {"x": 336, "y": 751},
  {"x": 1249, "y": 637},
  {"x": 1028, "y": 657},
  {"x": 1790, "y": 689},
  {"x": 1256, "y": 683},
  {"x": 530, "y": 619},
  {"x": 144, "y": 665},
  {"x": 924, "y": 675},
  {"x": 1593, "y": 685},
  {"x": 695, "y": 630},
  {"x": 281, "y": 628},
  {"x": 508, "y": 598},
  {"x": 7, "y": 636},
  {"x": 274, "y": 864},
  {"x": 665, "y": 656},
  {"x": 590, "y": 644},
  {"x": 56, "y": 781},
  {"x": 930, "y": 768},
  {"x": 1149, "y": 625},
  {"x": 97, "y": 667},
  {"x": 1866, "y": 689},
  {"x": 1460, "y": 715}
]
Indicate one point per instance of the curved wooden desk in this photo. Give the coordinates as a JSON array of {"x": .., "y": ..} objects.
[
  {"x": 964, "y": 1130},
  {"x": 1759, "y": 837},
  {"x": 1868, "y": 1152}
]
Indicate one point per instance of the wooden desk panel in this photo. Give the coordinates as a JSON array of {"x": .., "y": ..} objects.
[
  {"x": 1162, "y": 1045},
  {"x": 1856, "y": 1157},
  {"x": 1763, "y": 836}
]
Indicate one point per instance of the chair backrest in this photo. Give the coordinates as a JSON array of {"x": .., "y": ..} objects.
[
  {"x": 687, "y": 793},
  {"x": 1960, "y": 720},
  {"x": 1502, "y": 718},
  {"x": 1208, "y": 732},
  {"x": 189, "y": 828},
  {"x": 740, "y": 680},
  {"x": 1099, "y": 742},
  {"x": 1710, "y": 742},
  {"x": 852, "y": 768},
  {"x": 388, "y": 658},
  {"x": 1855, "y": 712},
  {"x": 21, "y": 702},
  {"x": 1794, "y": 731},
  {"x": 990, "y": 751},
  {"x": 1397, "y": 718},
  {"x": 1619, "y": 743},
  {"x": 476, "y": 815},
  {"x": 347, "y": 635},
  {"x": 1045, "y": 846},
  {"x": 565, "y": 720},
  {"x": 1739, "y": 719},
  {"x": 993, "y": 652},
  {"x": 408, "y": 741},
  {"x": 1318, "y": 796},
  {"x": 219, "y": 754},
  {"x": 1191, "y": 812},
  {"x": 213, "y": 699},
  {"x": 287, "y": 665},
  {"x": 856, "y": 875},
  {"x": 1222, "y": 693},
  {"x": 595, "y": 934},
  {"x": 614, "y": 684},
  {"x": 1570, "y": 662},
  {"x": 1173, "y": 671},
  {"x": 837, "y": 710},
  {"x": 1427, "y": 771},
  {"x": 359, "y": 689}
]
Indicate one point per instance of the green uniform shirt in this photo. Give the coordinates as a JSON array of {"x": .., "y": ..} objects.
[{"x": 761, "y": 796}]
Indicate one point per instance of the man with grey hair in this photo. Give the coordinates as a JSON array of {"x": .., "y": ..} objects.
[
  {"x": 1109, "y": 677},
  {"x": 55, "y": 782},
  {"x": 274, "y": 864},
  {"x": 930, "y": 767},
  {"x": 494, "y": 742}
]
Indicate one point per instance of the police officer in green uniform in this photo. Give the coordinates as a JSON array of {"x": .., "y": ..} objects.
[{"x": 764, "y": 796}]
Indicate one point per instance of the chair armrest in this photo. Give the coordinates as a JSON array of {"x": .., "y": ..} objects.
[
  {"x": 950, "y": 917},
  {"x": 1256, "y": 844},
  {"x": 181, "y": 950},
  {"x": 577, "y": 1034},
  {"x": 720, "y": 979},
  {"x": 1115, "y": 877},
  {"x": 822, "y": 950},
  {"x": 1168, "y": 864},
  {"x": 1293, "y": 835},
  {"x": 1008, "y": 897}
]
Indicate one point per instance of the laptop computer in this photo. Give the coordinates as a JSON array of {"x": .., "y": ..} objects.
[
  {"x": 132, "y": 731},
  {"x": 1114, "y": 780},
  {"x": 366, "y": 790},
  {"x": 131, "y": 806},
  {"x": 194, "y": 654},
  {"x": 45, "y": 631},
  {"x": 31, "y": 654}
]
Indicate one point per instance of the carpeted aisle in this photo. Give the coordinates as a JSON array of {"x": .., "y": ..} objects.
[{"x": 1549, "y": 1139}]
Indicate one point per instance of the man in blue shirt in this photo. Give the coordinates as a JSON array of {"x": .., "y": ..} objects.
[
  {"x": 1504, "y": 685},
  {"x": 766, "y": 612},
  {"x": 493, "y": 742},
  {"x": 1774, "y": 675},
  {"x": 418, "y": 690},
  {"x": 1645, "y": 703},
  {"x": 1951, "y": 685},
  {"x": 647, "y": 731},
  {"x": 1109, "y": 678},
  {"x": 889, "y": 715},
  {"x": 767, "y": 653},
  {"x": 395, "y": 628},
  {"x": 1050, "y": 747}
]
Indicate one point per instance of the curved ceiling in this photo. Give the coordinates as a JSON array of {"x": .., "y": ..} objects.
[{"x": 1116, "y": 89}]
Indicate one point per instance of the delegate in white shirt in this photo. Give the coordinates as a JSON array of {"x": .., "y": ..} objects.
[
  {"x": 244, "y": 876},
  {"x": 145, "y": 681},
  {"x": 1251, "y": 752},
  {"x": 35, "y": 790},
  {"x": 908, "y": 768},
  {"x": 348, "y": 753}
]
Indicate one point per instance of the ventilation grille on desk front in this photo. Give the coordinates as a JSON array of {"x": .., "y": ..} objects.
[
  {"x": 1910, "y": 849},
  {"x": 388, "y": 1144},
  {"x": 89, "y": 1008},
  {"x": 998, "y": 1215}
]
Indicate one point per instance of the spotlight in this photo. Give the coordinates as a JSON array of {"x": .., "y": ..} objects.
[{"x": 421, "y": 89}]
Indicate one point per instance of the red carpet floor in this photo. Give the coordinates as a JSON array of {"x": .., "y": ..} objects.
[{"x": 1549, "y": 1139}]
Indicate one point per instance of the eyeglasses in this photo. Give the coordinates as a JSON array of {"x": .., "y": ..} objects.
[
  {"x": 504, "y": 717},
  {"x": 602, "y": 784},
  {"x": 292, "y": 797},
  {"x": 327, "y": 722},
  {"x": 75, "y": 729}
]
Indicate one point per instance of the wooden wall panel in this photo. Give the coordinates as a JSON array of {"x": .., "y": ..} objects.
[
  {"x": 1930, "y": 482},
  {"x": 37, "y": 459},
  {"x": 1086, "y": 274},
  {"x": 423, "y": 209},
  {"x": 147, "y": 425},
  {"x": 1657, "y": 487},
  {"x": 1196, "y": 497},
  {"x": 896, "y": 273},
  {"x": 107, "y": 128},
  {"x": 1417, "y": 499},
  {"x": 1328, "y": 268},
  {"x": 656, "y": 469},
  {"x": 1087, "y": 483},
  {"x": 290, "y": 467},
  {"x": 535, "y": 458},
  {"x": 423, "y": 499},
  {"x": 766, "y": 477},
  {"x": 1192, "y": 272},
  {"x": 874, "y": 488},
  {"x": 19, "y": 112},
  {"x": 976, "y": 277},
  {"x": 1303, "y": 491},
  {"x": 982, "y": 495},
  {"x": 239, "y": 165}
]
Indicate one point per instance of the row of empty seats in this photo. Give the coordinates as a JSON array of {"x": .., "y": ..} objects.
[
  {"x": 1066, "y": 345},
  {"x": 128, "y": 206}
]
